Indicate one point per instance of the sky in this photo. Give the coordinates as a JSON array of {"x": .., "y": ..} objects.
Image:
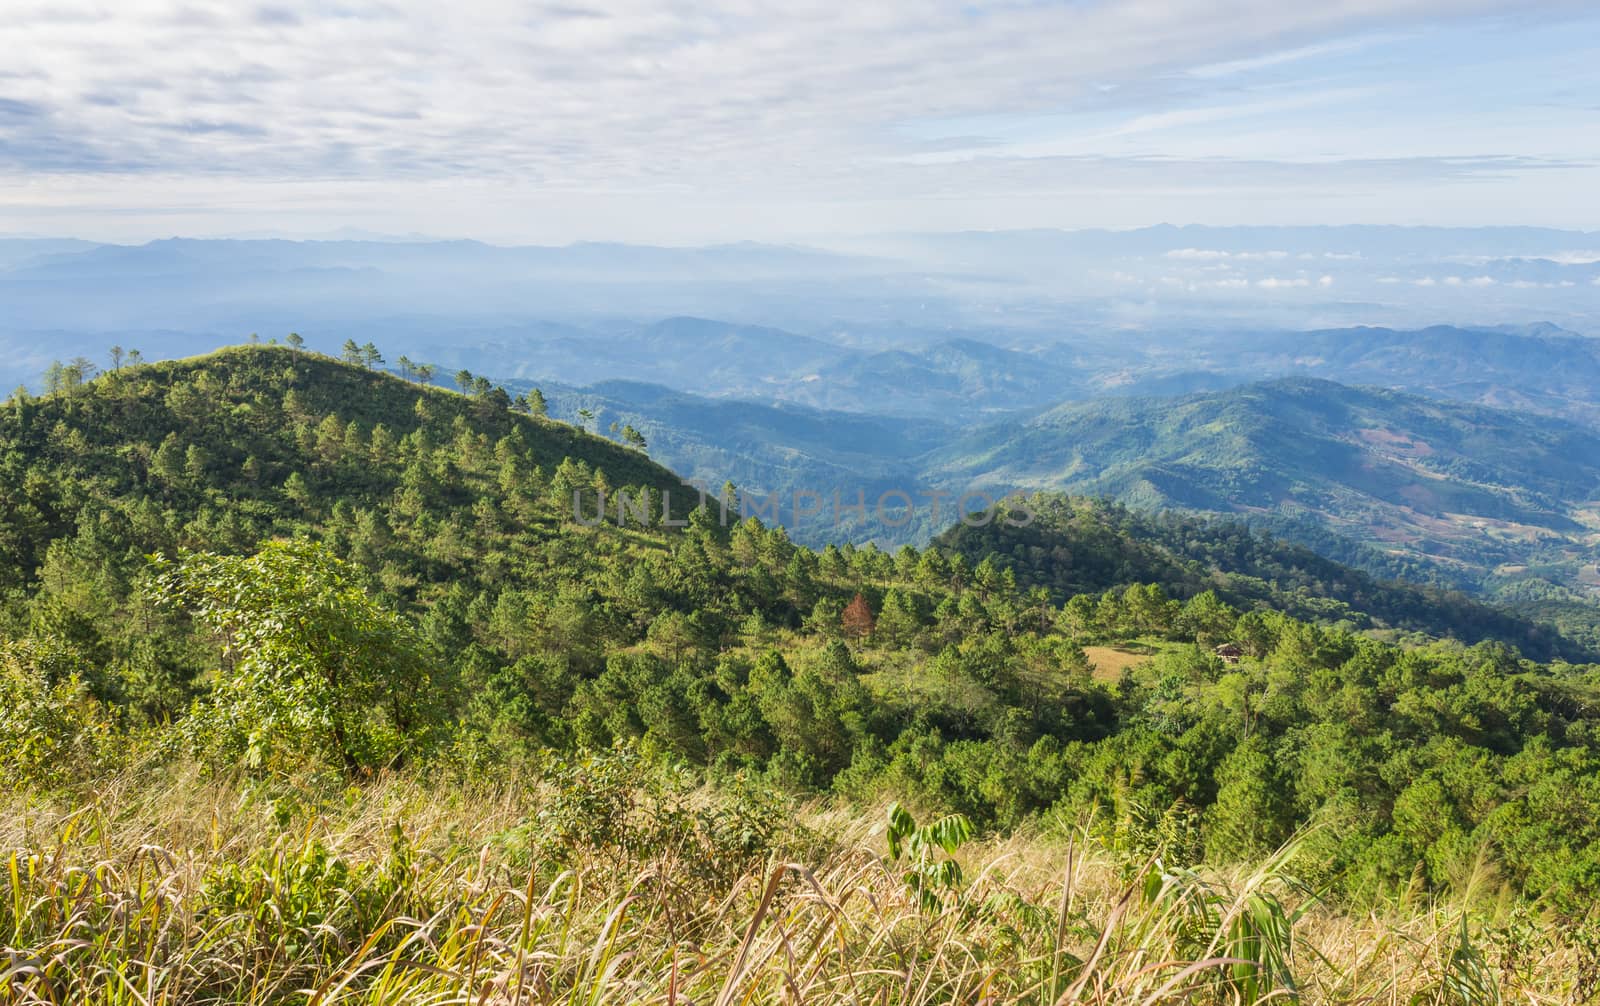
[{"x": 723, "y": 120}]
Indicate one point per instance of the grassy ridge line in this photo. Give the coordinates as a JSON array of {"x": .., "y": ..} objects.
[{"x": 406, "y": 891}]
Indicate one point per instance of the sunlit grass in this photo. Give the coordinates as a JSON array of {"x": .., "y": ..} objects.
[{"x": 404, "y": 891}]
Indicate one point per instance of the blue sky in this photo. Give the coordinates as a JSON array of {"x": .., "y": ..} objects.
[{"x": 731, "y": 119}]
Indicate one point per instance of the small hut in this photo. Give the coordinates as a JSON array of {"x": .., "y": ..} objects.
[{"x": 1230, "y": 653}]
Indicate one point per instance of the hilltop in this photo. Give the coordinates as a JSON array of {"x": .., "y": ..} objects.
[{"x": 227, "y": 450}]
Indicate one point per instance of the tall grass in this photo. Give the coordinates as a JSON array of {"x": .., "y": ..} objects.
[{"x": 184, "y": 890}]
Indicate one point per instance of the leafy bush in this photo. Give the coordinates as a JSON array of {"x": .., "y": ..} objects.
[
  {"x": 312, "y": 668},
  {"x": 52, "y": 730}
]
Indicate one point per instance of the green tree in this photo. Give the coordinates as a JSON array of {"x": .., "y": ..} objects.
[
  {"x": 195, "y": 462},
  {"x": 295, "y": 341},
  {"x": 1248, "y": 818},
  {"x": 298, "y": 490},
  {"x": 167, "y": 464},
  {"x": 313, "y": 666}
]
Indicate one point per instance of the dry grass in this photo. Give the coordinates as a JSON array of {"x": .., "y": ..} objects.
[
  {"x": 186, "y": 891},
  {"x": 1109, "y": 662}
]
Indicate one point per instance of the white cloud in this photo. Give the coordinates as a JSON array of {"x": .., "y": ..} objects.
[
  {"x": 766, "y": 108},
  {"x": 1213, "y": 254},
  {"x": 1275, "y": 59}
]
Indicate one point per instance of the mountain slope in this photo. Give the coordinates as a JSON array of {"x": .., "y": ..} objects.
[
  {"x": 1536, "y": 369},
  {"x": 449, "y": 612},
  {"x": 1462, "y": 484},
  {"x": 954, "y": 377},
  {"x": 1088, "y": 546},
  {"x": 761, "y": 447},
  {"x": 230, "y": 448}
]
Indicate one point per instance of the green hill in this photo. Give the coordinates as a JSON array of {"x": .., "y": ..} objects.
[
  {"x": 1089, "y": 546},
  {"x": 244, "y": 444},
  {"x": 1467, "y": 487},
  {"x": 362, "y": 575}
]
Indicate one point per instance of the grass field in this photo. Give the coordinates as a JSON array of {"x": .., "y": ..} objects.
[
  {"x": 178, "y": 890},
  {"x": 1110, "y": 661}
]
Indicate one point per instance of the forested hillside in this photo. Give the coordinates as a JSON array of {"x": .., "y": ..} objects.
[
  {"x": 1474, "y": 490},
  {"x": 1077, "y": 545},
  {"x": 269, "y": 581}
]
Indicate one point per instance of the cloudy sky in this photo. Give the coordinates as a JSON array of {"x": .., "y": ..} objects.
[{"x": 788, "y": 119}]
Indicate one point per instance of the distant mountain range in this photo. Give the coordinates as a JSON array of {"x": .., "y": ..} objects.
[
  {"x": 1542, "y": 369},
  {"x": 1259, "y": 372},
  {"x": 253, "y": 443},
  {"x": 1458, "y": 483},
  {"x": 1401, "y": 483},
  {"x": 1136, "y": 291},
  {"x": 1537, "y": 368}
]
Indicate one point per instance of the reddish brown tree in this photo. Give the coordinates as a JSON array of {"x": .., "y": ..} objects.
[{"x": 857, "y": 618}]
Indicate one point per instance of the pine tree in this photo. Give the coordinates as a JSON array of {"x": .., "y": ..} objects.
[
  {"x": 167, "y": 464},
  {"x": 297, "y": 489},
  {"x": 857, "y": 619},
  {"x": 384, "y": 446},
  {"x": 195, "y": 463}
]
